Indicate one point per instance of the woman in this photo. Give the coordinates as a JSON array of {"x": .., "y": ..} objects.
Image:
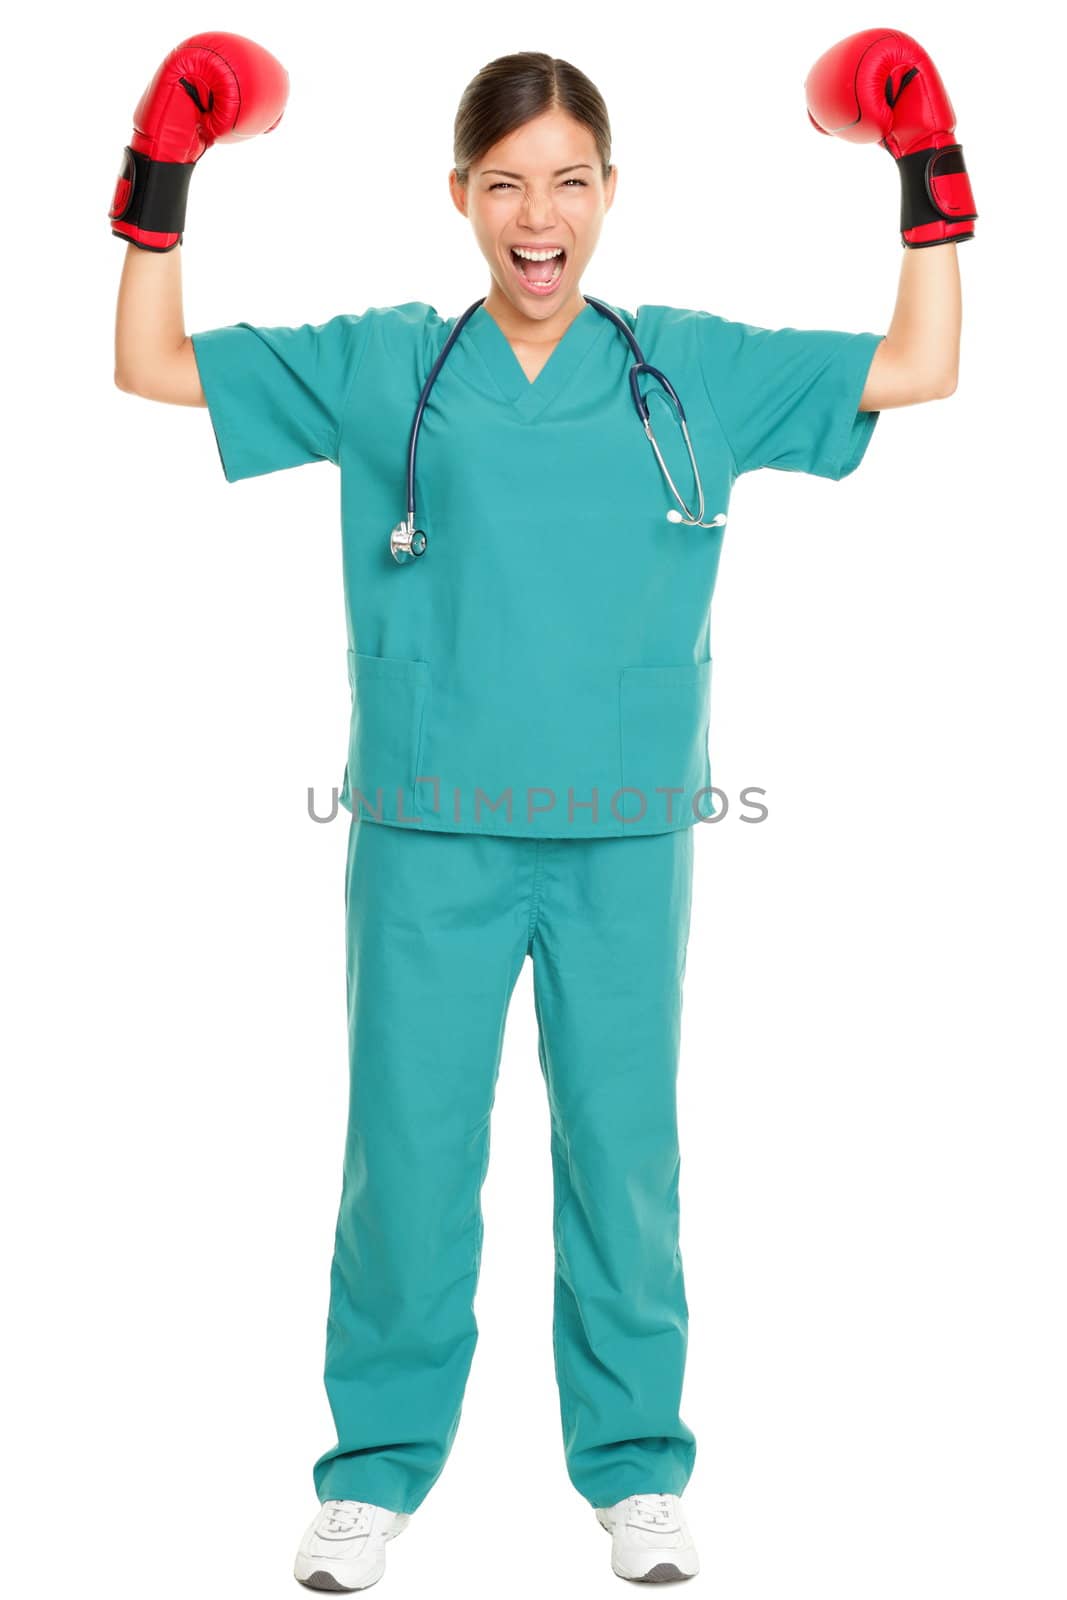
[{"x": 529, "y": 657}]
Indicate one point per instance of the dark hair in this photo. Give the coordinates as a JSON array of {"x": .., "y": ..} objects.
[{"x": 511, "y": 91}]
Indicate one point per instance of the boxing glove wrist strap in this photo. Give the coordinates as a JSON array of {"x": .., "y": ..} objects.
[
  {"x": 156, "y": 194},
  {"x": 935, "y": 188}
]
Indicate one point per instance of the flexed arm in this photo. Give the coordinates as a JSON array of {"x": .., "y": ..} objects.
[
  {"x": 212, "y": 88},
  {"x": 881, "y": 86}
]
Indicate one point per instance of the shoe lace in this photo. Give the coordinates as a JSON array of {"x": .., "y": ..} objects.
[
  {"x": 346, "y": 1516},
  {"x": 652, "y": 1509}
]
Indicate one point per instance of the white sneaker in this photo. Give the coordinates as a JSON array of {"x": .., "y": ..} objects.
[
  {"x": 345, "y": 1546},
  {"x": 650, "y": 1540}
]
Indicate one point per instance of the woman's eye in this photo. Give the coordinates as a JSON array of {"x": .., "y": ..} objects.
[{"x": 502, "y": 185}]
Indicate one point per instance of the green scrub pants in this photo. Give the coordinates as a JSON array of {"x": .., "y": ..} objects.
[{"x": 438, "y": 927}]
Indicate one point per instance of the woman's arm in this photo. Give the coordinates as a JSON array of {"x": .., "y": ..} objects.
[
  {"x": 919, "y": 357},
  {"x": 195, "y": 98},
  {"x": 153, "y": 354},
  {"x": 880, "y": 86}
]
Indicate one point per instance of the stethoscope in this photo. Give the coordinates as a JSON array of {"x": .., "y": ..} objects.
[{"x": 406, "y": 541}]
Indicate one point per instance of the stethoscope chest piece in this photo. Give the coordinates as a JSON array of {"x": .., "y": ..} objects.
[{"x": 406, "y": 542}]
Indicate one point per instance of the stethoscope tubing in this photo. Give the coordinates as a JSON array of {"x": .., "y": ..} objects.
[
  {"x": 409, "y": 534},
  {"x": 461, "y": 323}
]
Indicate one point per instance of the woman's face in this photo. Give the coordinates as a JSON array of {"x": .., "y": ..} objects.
[{"x": 540, "y": 186}]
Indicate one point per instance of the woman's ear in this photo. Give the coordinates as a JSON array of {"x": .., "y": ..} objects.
[{"x": 458, "y": 192}]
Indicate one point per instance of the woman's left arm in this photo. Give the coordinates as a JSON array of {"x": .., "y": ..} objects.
[
  {"x": 880, "y": 86},
  {"x": 919, "y": 357}
]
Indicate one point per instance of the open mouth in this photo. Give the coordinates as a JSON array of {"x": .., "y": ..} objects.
[{"x": 539, "y": 277}]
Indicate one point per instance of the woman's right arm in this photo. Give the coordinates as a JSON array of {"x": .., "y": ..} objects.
[
  {"x": 153, "y": 353},
  {"x": 275, "y": 396},
  {"x": 211, "y": 87}
]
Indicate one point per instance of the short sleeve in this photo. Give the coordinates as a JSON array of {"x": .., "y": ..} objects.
[
  {"x": 276, "y": 396},
  {"x": 788, "y": 397}
]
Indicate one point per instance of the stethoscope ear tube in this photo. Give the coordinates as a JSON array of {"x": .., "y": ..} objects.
[{"x": 406, "y": 542}]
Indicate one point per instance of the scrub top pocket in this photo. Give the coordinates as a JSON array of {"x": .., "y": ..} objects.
[
  {"x": 388, "y": 706},
  {"x": 663, "y": 720}
]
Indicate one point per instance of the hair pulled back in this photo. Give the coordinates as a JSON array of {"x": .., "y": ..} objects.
[{"x": 513, "y": 90}]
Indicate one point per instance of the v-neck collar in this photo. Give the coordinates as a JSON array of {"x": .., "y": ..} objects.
[{"x": 486, "y": 336}]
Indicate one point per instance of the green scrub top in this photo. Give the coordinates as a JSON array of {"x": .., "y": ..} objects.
[{"x": 544, "y": 669}]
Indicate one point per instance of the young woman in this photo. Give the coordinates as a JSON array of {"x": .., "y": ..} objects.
[{"x": 530, "y": 664}]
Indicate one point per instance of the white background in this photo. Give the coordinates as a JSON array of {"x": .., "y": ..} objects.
[{"x": 871, "y": 1088}]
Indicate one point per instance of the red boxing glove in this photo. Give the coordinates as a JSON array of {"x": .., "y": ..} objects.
[
  {"x": 213, "y": 87},
  {"x": 881, "y": 84}
]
